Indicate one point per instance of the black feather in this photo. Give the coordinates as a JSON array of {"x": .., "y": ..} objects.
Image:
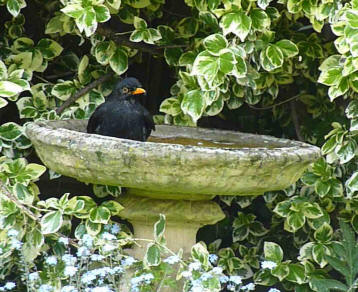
[{"x": 122, "y": 115}]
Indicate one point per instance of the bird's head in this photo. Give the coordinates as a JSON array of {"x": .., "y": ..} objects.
[{"x": 129, "y": 86}]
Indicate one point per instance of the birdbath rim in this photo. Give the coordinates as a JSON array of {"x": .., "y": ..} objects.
[{"x": 172, "y": 171}]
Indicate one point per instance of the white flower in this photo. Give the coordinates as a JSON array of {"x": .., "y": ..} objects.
[
  {"x": 9, "y": 285},
  {"x": 69, "y": 289},
  {"x": 268, "y": 265},
  {"x": 83, "y": 251},
  {"x": 217, "y": 270},
  {"x": 224, "y": 279},
  {"x": 213, "y": 258},
  {"x": 108, "y": 247},
  {"x": 101, "y": 289},
  {"x": 186, "y": 274},
  {"x": 16, "y": 244},
  {"x": 194, "y": 266},
  {"x": 65, "y": 241},
  {"x": 69, "y": 259},
  {"x": 206, "y": 276},
  {"x": 115, "y": 229},
  {"x": 97, "y": 257},
  {"x": 172, "y": 259},
  {"x": 108, "y": 236},
  {"x": 45, "y": 288},
  {"x": 33, "y": 276},
  {"x": 87, "y": 240},
  {"x": 51, "y": 260},
  {"x": 70, "y": 271},
  {"x": 236, "y": 279},
  {"x": 274, "y": 290},
  {"x": 128, "y": 262},
  {"x": 88, "y": 277},
  {"x": 249, "y": 287},
  {"x": 12, "y": 233}
]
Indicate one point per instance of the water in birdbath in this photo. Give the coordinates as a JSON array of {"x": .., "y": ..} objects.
[{"x": 207, "y": 143}]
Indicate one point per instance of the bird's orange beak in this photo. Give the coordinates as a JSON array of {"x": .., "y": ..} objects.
[{"x": 138, "y": 91}]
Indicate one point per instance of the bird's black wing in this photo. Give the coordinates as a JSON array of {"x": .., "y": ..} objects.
[
  {"x": 95, "y": 120},
  {"x": 148, "y": 123}
]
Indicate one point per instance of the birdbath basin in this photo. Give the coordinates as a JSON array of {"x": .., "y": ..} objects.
[{"x": 176, "y": 173}]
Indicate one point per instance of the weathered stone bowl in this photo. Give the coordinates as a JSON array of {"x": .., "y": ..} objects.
[
  {"x": 177, "y": 180},
  {"x": 172, "y": 169}
]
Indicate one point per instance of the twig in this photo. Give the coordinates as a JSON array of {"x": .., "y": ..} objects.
[
  {"x": 60, "y": 75},
  {"x": 122, "y": 40},
  {"x": 82, "y": 92},
  {"x": 295, "y": 121},
  {"x": 17, "y": 203},
  {"x": 276, "y": 104},
  {"x": 41, "y": 78}
]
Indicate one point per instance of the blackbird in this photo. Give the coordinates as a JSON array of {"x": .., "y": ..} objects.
[{"x": 122, "y": 115}]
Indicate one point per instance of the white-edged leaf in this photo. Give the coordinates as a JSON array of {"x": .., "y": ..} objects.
[
  {"x": 237, "y": 23},
  {"x": 193, "y": 104},
  {"x": 51, "y": 222}
]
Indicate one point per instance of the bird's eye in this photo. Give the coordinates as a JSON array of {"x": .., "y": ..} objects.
[{"x": 125, "y": 90}]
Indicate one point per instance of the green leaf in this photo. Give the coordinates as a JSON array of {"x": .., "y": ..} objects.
[
  {"x": 171, "y": 106},
  {"x": 3, "y": 70},
  {"x": 104, "y": 51},
  {"x": 200, "y": 253},
  {"x": 193, "y": 104},
  {"x": 113, "y": 206},
  {"x": 205, "y": 64},
  {"x": 35, "y": 237},
  {"x": 275, "y": 55},
  {"x": 326, "y": 285},
  {"x": 322, "y": 187},
  {"x": 152, "y": 255},
  {"x": 23, "y": 194},
  {"x": 100, "y": 215},
  {"x": 119, "y": 61},
  {"x": 237, "y": 23},
  {"x": 3, "y": 102},
  {"x": 73, "y": 10},
  {"x": 346, "y": 152},
  {"x": 283, "y": 208},
  {"x": 312, "y": 210},
  {"x": 9, "y": 89},
  {"x": 296, "y": 274},
  {"x": 49, "y": 48},
  {"x": 295, "y": 220},
  {"x": 288, "y": 48},
  {"x": 64, "y": 90},
  {"x": 352, "y": 183},
  {"x": 331, "y": 77},
  {"x": 172, "y": 56},
  {"x": 10, "y": 131},
  {"x": 324, "y": 233},
  {"x": 215, "y": 43},
  {"x": 187, "y": 27},
  {"x": 281, "y": 271},
  {"x": 226, "y": 61},
  {"x": 14, "y": 6},
  {"x": 263, "y": 3},
  {"x": 93, "y": 228},
  {"x": 273, "y": 252},
  {"x": 352, "y": 18},
  {"x": 139, "y": 23},
  {"x": 51, "y": 222},
  {"x": 330, "y": 145},
  {"x": 352, "y": 109},
  {"x": 102, "y": 13},
  {"x": 159, "y": 228},
  {"x": 260, "y": 20}
]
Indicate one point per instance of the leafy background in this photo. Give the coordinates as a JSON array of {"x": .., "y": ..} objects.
[{"x": 288, "y": 68}]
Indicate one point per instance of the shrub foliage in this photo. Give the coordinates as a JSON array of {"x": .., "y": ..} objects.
[{"x": 290, "y": 65}]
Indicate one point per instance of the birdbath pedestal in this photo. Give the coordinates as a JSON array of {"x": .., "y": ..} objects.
[{"x": 177, "y": 174}]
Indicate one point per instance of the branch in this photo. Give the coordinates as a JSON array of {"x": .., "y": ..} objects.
[
  {"x": 123, "y": 40},
  {"x": 82, "y": 92},
  {"x": 276, "y": 104},
  {"x": 295, "y": 121},
  {"x": 17, "y": 203}
]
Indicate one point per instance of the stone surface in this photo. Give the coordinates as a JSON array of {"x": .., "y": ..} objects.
[{"x": 172, "y": 171}]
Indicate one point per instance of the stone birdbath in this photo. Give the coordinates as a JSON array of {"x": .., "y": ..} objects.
[{"x": 176, "y": 173}]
